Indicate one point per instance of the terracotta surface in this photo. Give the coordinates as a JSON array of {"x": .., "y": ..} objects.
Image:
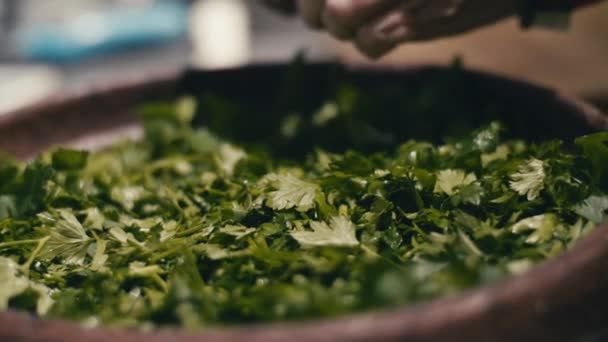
[{"x": 562, "y": 299}]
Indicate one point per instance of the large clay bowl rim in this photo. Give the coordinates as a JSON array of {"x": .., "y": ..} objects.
[{"x": 560, "y": 299}]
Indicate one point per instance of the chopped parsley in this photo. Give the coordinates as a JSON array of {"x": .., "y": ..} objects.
[{"x": 187, "y": 228}]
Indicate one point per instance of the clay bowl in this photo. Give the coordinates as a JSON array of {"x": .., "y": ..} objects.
[{"x": 562, "y": 299}]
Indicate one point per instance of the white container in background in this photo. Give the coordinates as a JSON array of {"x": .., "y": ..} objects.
[{"x": 220, "y": 33}]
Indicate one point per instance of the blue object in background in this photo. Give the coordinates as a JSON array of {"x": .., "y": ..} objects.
[{"x": 100, "y": 32}]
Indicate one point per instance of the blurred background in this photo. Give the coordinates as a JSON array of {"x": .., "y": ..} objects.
[{"x": 51, "y": 46}]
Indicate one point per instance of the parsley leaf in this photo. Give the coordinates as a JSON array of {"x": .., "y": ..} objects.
[
  {"x": 595, "y": 149},
  {"x": 529, "y": 179},
  {"x": 339, "y": 233},
  {"x": 15, "y": 284},
  {"x": 291, "y": 192},
  {"x": 594, "y": 208},
  {"x": 64, "y": 159},
  {"x": 449, "y": 180},
  {"x": 68, "y": 239},
  {"x": 365, "y": 199},
  {"x": 542, "y": 227}
]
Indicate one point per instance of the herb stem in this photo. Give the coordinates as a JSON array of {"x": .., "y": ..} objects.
[
  {"x": 160, "y": 282},
  {"x": 11, "y": 244},
  {"x": 374, "y": 254},
  {"x": 160, "y": 256},
  {"x": 25, "y": 268},
  {"x": 189, "y": 231}
]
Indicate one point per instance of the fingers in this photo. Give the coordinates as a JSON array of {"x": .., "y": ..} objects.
[
  {"x": 413, "y": 21},
  {"x": 342, "y": 18},
  {"x": 377, "y": 26},
  {"x": 382, "y": 35},
  {"x": 311, "y": 10}
]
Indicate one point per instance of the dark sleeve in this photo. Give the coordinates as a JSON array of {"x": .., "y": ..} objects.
[
  {"x": 564, "y": 5},
  {"x": 285, "y": 6}
]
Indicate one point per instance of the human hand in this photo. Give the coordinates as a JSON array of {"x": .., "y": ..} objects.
[{"x": 378, "y": 26}]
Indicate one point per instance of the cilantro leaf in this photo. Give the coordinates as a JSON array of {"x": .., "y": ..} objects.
[
  {"x": 594, "y": 208},
  {"x": 471, "y": 194},
  {"x": 229, "y": 156},
  {"x": 595, "y": 149},
  {"x": 542, "y": 227},
  {"x": 8, "y": 206},
  {"x": 339, "y": 233},
  {"x": 68, "y": 239},
  {"x": 8, "y": 171},
  {"x": 15, "y": 284},
  {"x": 237, "y": 231},
  {"x": 529, "y": 179},
  {"x": 64, "y": 159},
  {"x": 12, "y": 284},
  {"x": 127, "y": 196},
  {"x": 32, "y": 189},
  {"x": 501, "y": 153},
  {"x": 310, "y": 210},
  {"x": 291, "y": 192},
  {"x": 448, "y": 180}
]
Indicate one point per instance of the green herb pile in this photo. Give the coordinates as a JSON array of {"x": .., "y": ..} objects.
[{"x": 184, "y": 228}]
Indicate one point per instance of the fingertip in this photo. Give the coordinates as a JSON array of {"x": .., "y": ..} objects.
[
  {"x": 370, "y": 51},
  {"x": 380, "y": 37}
]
